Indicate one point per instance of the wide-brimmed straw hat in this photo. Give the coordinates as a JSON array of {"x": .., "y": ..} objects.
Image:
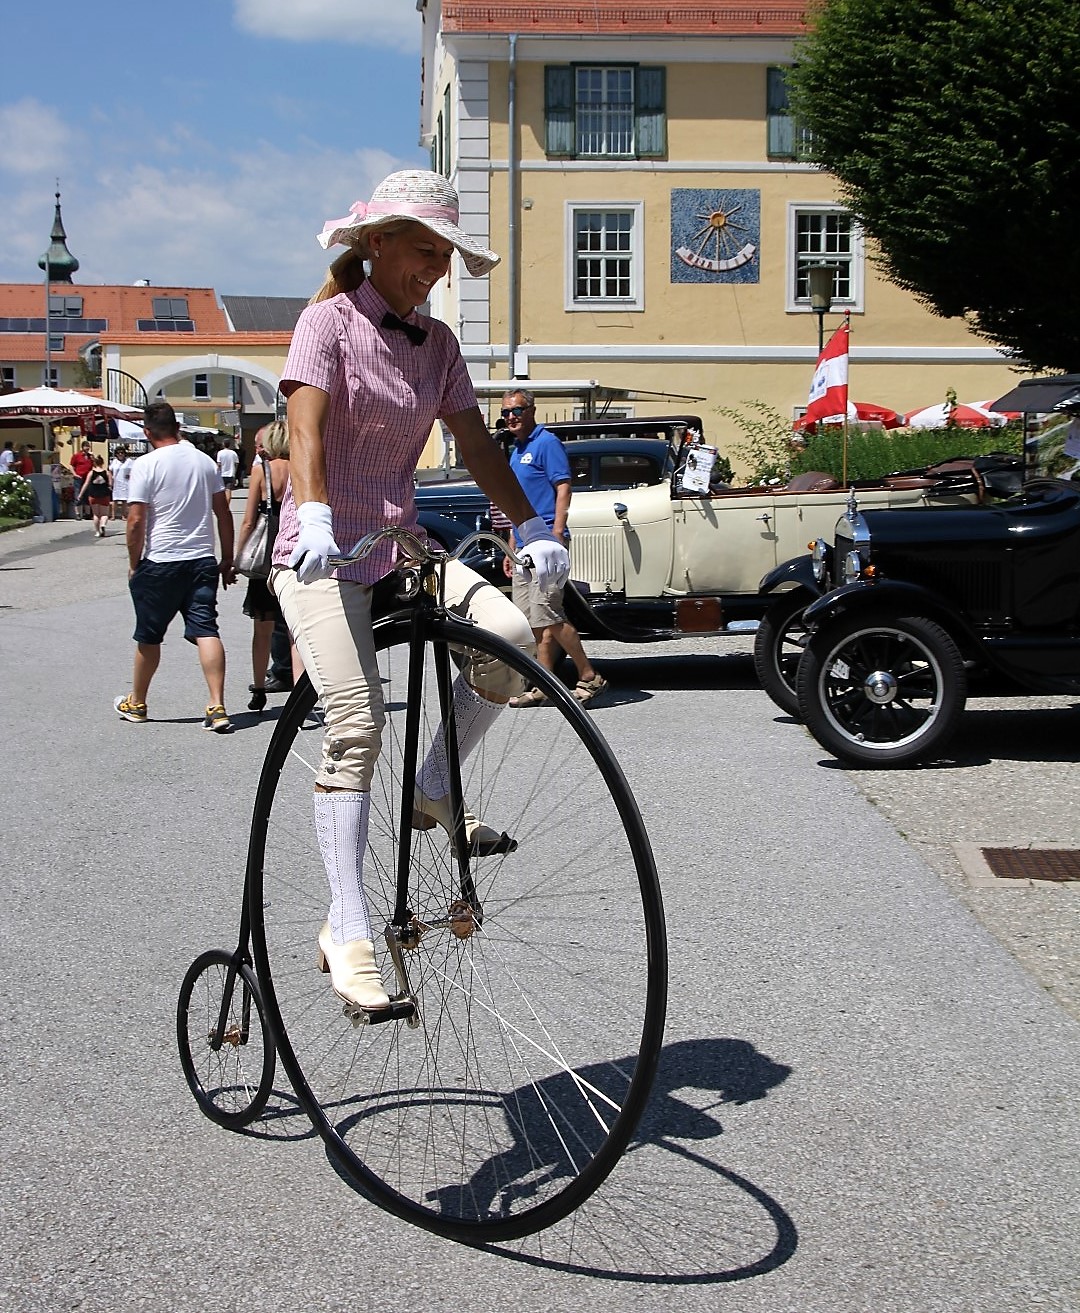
[{"x": 415, "y": 194}]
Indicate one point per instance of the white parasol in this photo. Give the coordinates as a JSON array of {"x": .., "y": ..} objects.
[{"x": 60, "y": 401}]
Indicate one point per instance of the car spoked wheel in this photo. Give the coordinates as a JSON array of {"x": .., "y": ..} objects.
[
  {"x": 881, "y": 691},
  {"x": 778, "y": 647}
]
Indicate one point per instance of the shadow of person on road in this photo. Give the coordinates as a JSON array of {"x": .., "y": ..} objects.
[{"x": 544, "y": 1117}]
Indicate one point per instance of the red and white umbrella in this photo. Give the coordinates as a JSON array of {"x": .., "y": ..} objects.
[
  {"x": 988, "y": 406},
  {"x": 858, "y": 412},
  {"x": 965, "y": 415}
]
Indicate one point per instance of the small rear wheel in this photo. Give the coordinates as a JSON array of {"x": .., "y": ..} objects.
[
  {"x": 881, "y": 690},
  {"x": 225, "y": 1046},
  {"x": 778, "y": 648}
]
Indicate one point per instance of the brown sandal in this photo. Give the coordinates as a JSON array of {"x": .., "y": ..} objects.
[
  {"x": 587, "y": 689},
  {"x": 533, "y": 698}
]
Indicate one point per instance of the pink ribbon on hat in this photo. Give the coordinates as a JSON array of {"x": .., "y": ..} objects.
[{"x": 362, "y": 209}]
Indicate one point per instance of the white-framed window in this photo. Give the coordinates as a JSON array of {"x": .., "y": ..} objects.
[
  {"x": 200, "y": 388},
  {"x": 604, "y": 253},
  {"x": 51, "y": 377},
  {"x": 829, "y": 234},
  {"x": 7, "y": 376}
]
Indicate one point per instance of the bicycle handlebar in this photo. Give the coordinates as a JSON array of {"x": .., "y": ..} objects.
[{"x": 421, "y": 551}]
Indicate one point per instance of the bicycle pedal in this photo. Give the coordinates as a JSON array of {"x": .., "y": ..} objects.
[
  {"x": 494, "y": 847},
  {"x": 400, "y": 1009}
]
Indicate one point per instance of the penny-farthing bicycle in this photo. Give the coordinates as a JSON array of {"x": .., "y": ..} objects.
[{"x": 528, "y": 986}]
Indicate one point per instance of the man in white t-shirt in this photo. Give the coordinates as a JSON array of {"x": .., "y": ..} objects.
[
  {"x": 228, "y": 462},
  {"x": 175, "y": 495},
  {"x": 7, "y": 458}
]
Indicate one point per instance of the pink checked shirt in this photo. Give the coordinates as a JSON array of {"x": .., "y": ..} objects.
[{"x": 385, "y": 394}]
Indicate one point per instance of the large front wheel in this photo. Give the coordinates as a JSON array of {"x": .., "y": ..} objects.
[
  {"x": 538, "y": 974},
  {"x": 882, "y": 690}
]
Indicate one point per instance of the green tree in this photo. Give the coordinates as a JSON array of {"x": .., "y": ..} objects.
[
  {"x": 85, "y": 375},
  {"x": 951, "y": 126}
]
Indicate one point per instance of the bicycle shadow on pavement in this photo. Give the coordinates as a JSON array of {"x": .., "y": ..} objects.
[
  {"x": 635, "y": 1228},
  {"x": 283, "y": 1119}
]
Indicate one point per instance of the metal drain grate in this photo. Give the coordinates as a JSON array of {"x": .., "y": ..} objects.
[{"x": 1060, "y": 864}]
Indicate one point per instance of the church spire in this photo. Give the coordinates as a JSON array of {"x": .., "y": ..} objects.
[{"x": 61, "y": 263}]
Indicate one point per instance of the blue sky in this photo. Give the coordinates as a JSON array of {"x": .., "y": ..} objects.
[{"x": 200, "y": 143}]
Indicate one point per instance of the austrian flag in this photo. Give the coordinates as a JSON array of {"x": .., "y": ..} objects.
[{"x": 829, "y": 387}]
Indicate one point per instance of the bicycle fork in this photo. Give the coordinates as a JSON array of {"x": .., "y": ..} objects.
[{"x": 464, "y": 916}]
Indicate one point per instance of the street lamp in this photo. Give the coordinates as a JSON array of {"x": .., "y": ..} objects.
[{"x": 822, "y": 279}]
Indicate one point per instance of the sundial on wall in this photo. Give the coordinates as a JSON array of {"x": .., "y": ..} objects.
[{"x": 715, "y": 235}]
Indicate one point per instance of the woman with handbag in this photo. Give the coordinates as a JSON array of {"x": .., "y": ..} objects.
[{"x": 255, "y": 546}]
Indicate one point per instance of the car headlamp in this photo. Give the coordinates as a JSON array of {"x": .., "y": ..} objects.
[
  {"x": 852, "y": 567},
  {"x": 818, "y": 554}
]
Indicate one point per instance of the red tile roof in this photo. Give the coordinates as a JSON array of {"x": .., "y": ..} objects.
[
  {"x": 630, "y": 17},
  {"x": 121, "y": 306},
  {"x": 235, "y": 341}
]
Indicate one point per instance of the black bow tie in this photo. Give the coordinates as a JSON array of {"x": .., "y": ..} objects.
[{"x": 413, "y": 332}]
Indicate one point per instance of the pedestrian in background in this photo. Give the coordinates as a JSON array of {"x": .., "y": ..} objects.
[
  {"x": 228, "y": 463},
  {"x": 538, "y": 459},
  {"x": 97, "y": 494},
  {"x": 121, "y": 476},
  {"x": 175, "y": 497},
  {"x": 266, "y": 491}
]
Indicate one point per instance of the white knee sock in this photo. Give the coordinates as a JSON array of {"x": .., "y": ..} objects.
[
  {"x": 473, "y": 716},
  {"x": 341, "y": 823}
]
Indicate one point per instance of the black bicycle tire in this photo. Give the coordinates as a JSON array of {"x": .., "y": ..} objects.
[
  {"x": 257, "y": 1102},
  {"x": 769, "y": 650},
  {"x": 389, "y": 633}
]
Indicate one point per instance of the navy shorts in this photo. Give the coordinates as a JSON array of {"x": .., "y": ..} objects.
[{"x": 162, "y": 590}]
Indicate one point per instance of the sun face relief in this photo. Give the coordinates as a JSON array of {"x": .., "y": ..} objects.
[{"x": 715, "y": 235}]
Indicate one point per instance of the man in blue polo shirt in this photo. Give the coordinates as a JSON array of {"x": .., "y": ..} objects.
[{"x": 538, "y": 459}]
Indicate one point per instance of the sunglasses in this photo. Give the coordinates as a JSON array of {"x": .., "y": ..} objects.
[{"x": 507, "y": 411}]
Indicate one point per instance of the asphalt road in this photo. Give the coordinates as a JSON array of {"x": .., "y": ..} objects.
[{"x": 868, "y": 1098}]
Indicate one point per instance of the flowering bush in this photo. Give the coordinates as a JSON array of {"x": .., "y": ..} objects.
[{"x": 16, "y": 497}]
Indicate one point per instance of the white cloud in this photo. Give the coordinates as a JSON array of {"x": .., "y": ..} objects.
[
  {"x": 387, "y": 23},
  {"x": 246, "y": 229},
  {"x": 33, "y": 138}
]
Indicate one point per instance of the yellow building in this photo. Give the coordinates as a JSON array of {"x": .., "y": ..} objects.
[{"x": 636, "y": 167}]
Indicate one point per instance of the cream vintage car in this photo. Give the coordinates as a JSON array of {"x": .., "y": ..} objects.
[{"x": 655, "y": 563}]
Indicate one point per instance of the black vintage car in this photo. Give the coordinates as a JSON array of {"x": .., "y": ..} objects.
[
  {"x": 796, "y": 583},
  {"x": 925, "y": 606}
]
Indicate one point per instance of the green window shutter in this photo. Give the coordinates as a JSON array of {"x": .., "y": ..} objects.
[
  {"x": 781, "y": 129},
  {"x": 559, "y": 109},
  {"x": 650, "y": 113}
]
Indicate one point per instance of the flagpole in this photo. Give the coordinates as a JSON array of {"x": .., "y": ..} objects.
[{"x": 847, "y": 322}]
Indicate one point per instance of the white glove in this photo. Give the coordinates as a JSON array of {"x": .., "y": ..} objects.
[
  {"x": 550, "y": 559},
  {"x": 311, "y": 555}
]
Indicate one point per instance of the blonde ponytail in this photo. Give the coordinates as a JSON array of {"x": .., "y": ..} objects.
[{"x": 344, "y": 275}]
